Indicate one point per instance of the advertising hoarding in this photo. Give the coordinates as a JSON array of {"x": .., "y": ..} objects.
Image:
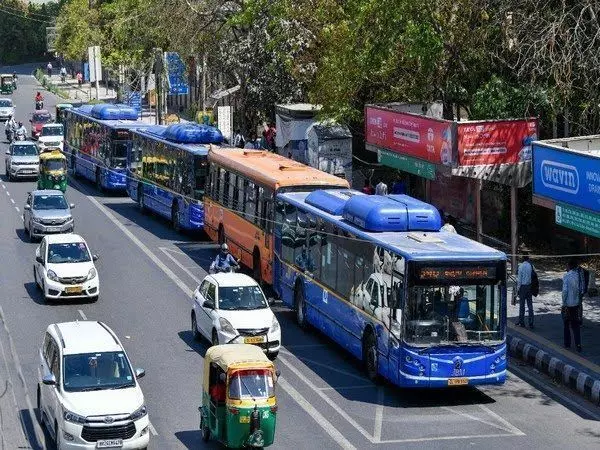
[
  {"x": 566, "y": 176},
  {"x": 413, "y": 135},
  {"x": 495, "y": 142}
]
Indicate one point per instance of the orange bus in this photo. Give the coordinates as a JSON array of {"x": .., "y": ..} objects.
[{"x": 239, "y": 201}]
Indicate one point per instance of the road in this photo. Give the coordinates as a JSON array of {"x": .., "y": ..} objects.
[{"x": 147, "y": 273}]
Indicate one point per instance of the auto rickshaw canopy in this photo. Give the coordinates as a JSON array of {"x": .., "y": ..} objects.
[{"x": 235, "y": 356}]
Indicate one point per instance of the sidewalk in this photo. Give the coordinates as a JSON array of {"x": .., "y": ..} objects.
[
  {"x": 543, "y": 346},
  {"x": 83, "y": 93}
]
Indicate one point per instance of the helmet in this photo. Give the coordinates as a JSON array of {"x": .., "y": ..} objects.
[
  {"x": 224, "y": 247},
  {"x": 20, "y": 123}
]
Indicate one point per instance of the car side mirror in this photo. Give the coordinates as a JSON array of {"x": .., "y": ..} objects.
[
  {"x": 140, "y": 373},
  {"x": 49, "y": 380},
  {"x": 208, "y": 304},
  {"x": 27, "y": 207},
  {"x": 94, "y": 257},
  {"x": 39, "y": 259},
  {"x": 71, "y": 205},
  {"x": 7, "y": 152}
]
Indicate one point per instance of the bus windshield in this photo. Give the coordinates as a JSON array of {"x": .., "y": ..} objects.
[
  {"x": 119, "y": 154},
  {"x": 442, "y": 314}
]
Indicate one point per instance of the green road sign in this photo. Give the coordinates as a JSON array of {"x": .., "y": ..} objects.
[
  {"x": 578, "y": 219},
  {"x": 407, "y": 164}
]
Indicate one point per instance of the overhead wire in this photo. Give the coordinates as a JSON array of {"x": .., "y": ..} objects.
[{"x": 24, "y": 17}]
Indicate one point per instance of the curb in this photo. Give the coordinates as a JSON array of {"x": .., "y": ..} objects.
[{"x": 584, "y": 384}]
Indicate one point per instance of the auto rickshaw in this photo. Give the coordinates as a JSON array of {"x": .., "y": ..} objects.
[
  {"x": 60, "y": 109},
  {"x": 7, "y": 85},
  {"x": 53, "y": 171},
  {"x": 239, "y": 407}
]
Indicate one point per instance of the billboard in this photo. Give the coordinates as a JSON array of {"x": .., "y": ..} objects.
[
  {"x": 409, "y": 134},
  {"x": 176, "y": 75},
  {"x": 495, "y": 142},
  {"x": 566, "y": 176}
]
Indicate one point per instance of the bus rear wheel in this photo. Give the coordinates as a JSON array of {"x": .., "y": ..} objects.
[
  {"x": 99, "y": 181},
  {"x": 256, "y": 267},
  {"x": 140, "y": 197},
  {"x": 175, "y": 217},
  {"x": 370, "y": 356},
  {"x": 221, "y": 235}
]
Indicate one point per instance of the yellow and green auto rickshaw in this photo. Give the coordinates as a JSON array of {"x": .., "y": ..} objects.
[
  {"x": 239, "y": 407},
  {"x": 53, "y": 171},
  {"x": 7, "y": 85},
  {"x": 60, "y": 110}
]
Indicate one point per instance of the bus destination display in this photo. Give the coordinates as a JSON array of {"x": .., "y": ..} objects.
[{"x": 457, "y": 273}]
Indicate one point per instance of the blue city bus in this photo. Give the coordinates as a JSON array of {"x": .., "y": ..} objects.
[
  {"x": 420, "y": 307},
  {"x": 167, "y": 171},
  {"x": 96, "y": 141}
]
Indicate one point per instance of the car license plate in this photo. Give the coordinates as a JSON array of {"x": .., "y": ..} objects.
[
  {"x": 52, "y": 229},
  {"x": 73, "y": 289},
  {"x": 110, "y": 443},
  {"x": 458, "y": 381},
  {"x": 254, "y": 340},
  {"x": 244, "y": 419}
]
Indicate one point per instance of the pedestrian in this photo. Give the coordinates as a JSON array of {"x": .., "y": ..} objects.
[
  {"x": 368, "y": 189},
  {"x": 449, "y": 223},
  {"x": 381, "y": 188},
  {"x": 79, "y": 78},
  {"x": 49, "y": 68},
  {"x": 238, "y": 140},
  {"x": 525, "y": 275},
  {"x": 571, "y": 300},
  {"x": 399, "y": 187}
]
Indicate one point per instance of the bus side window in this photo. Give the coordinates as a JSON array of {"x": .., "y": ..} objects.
[
  {"x": 240, "y": 189},
  {"x": 233, "y": 192},
  {"x": 288, "y": 232},
  {"x": 250, "y": 201},
  {"x": 258, "y": 220}
]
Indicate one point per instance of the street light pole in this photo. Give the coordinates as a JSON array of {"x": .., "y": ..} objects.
[{"x": 158, "y": 69}]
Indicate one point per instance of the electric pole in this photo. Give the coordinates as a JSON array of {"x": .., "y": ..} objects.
[{"x": 158, "y": 69}]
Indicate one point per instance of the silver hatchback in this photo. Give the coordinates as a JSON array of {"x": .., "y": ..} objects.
[
  {"x": 22, "y": 160},
  {"x": 46, "y": 211}
]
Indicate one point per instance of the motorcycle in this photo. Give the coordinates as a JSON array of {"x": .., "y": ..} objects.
[
  {"x": 9, "y": 135},
  {"x": 39, "y": 104}
]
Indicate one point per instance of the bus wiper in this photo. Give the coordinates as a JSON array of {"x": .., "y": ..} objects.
[{"x": 437, "y": 347}]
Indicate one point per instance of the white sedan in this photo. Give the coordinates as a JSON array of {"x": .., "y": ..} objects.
[
  {"x": 231, "y": 308},
  {"x": 64, "y": 268}
]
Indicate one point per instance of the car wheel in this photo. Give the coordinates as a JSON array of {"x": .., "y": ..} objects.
[
  {"x": 39, "y": 405},
  {"x": 204, "y": 428},
  {"x": 56, "y": 436},
  {"x": 195, "y": 333},
  {"x": 94, "y": 299},
  {"x": 370, "y": 356},
  {"x": 43, "y": 287},
  {"x": 37, "y": 285},
  {"x": 300, "y": 305},
  {"x": 215, "y": 338},
  {"x": 272, "y": 356}
]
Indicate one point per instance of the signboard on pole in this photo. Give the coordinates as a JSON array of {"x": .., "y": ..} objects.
[
  {"x": 50, "y": 39},
  {"x": 225, "y": 121},
  {"x": 411, "y": 135},
  {"x": 134, "y": 99},
  {"x": 95, "y": 63},
  {"x": 496, "y": 142},
  {"x": 176, "y": 75}
]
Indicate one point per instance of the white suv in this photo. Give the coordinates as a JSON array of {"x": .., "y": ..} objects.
[
  {"x": 88, "y": 396},
  {"x": 231, "y": 308}
]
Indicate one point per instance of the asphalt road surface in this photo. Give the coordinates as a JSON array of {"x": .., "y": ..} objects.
[{"x": 147, "y": 273}]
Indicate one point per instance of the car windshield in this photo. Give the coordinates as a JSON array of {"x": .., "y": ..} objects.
[
  {"x": 55, "y": 164},
  {"x": 24, "y": 150},
  {"x": 52, "y": 131},
  {"x": 41, "y": 117},
  {"x": 241, "y": 297},
  {"x": 70, "y": 252},
  {"x": 97, "y": 371},
  {"x": 45, "y": 202},
  {"x": 5, "y": 103},
  {"x": 251, "y": 384}
]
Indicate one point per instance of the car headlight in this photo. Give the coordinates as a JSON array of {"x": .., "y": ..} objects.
[
  {"x": 36, "y": 219},
  {"x": 73, "y": 418},
  {"x": 139, "y": 413},
  {"x": 52, "y": 275},
  {"x": 275, "y": 328},
  {"x": 226, "y": 327},
  {"x": 92, "y": 274}
]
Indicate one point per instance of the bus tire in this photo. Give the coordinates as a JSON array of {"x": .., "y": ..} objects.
[
  {"x": 99, "y": 181},
  {"x": 300, "y": 307},
  {"x": 140, "y": 197},
  {"x": 175, "y": 216},
  {"x": 221, "y": 235},
  {"x": 370, "y": 355},
  {"x": 256, "y": 267}
]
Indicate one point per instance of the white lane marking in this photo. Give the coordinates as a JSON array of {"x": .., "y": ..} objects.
[
  {"x": 509, "y": 426},
  {"x": 82, "y": 314},
  {"x": 8, "y": 193},
  {"x": 476, "y": 419},
  {"x": 17, "y": 208},
  {"x": 316, "y": 415},
  {"x": 335, "y": 388},
  {"x": 181, "y": 266},
  {"x": 328, "y": 400},
  {"x": 300, "y": 400},
  {"x": 532, "y": 381},
  {"x": 12, "y": 201},
  {"x": 444, "y": 438},
  {"x": 152, "y": 429},
  {"x": 3, "y": 187},
  {"x": 378, "y": 415}
]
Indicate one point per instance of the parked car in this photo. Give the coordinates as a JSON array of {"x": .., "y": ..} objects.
[
  {"x": 232, "y": 308},
  {"x": 51, "y": 137},
  {"x": 64, "y": 268},
  {"x": 22, "y": 160},
  {"x": 88, "y": 394},
  {"x": 7, "y": 109},
  {"x": 38, "y": 119},
  {"x": 46, "y": 211}
]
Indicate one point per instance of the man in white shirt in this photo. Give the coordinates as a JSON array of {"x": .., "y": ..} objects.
[
  {"x": 524, "y": 272},
  {"x": 449, "y": 225},
  {"x": 381, "y": 188},
  {"x": 571, "y": 297}
]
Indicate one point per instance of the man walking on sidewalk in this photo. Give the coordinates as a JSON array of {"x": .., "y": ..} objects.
[
  {"x": 524, "y": 277},
  {"x": 570, "y": 304}
]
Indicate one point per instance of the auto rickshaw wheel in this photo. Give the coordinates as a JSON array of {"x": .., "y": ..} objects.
[{"x": 204, "y": 428}]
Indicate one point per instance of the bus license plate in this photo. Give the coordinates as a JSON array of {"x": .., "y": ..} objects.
[
  {"x": 244, "y": 419},
  {"x": 458, "y": 381},
  {"x": 254, "y": 340},
  {"x": 73, "y": 290},
  {"x": 110, "y": 443}
]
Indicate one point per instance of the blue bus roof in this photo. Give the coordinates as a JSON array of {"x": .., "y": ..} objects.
[
  {"x": 155, "y": 132},
  {"x": 86, "y": 111},
  {"x": 412, "y": 245}
]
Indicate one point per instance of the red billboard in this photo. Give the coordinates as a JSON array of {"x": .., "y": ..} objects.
[
  {"x": 410, "y": 134},
  {"x": 496, "y": 142}
]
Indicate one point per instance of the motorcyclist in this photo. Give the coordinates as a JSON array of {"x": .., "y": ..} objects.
[
  {"x": 224, "y": 260},
  {"x": 21, "y": 131},
  {"x": 15, "y": 80},
  {"x": 9, "y": 128},
  {"x": 39, "y": 97}
]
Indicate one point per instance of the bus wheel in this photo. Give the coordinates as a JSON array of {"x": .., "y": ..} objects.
[
  {"x": 175, "y": 217},
  {"x": 370, "y": 356},
  {"x": 140, "y": 197},
  {"x": 256, "y": 267},
  {"x": 99, "y": 181},
  {"x": 300, "y": 307},
  {"x": 221, "y": 235}
]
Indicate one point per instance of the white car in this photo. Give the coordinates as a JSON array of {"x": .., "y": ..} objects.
[
  {"x": 64, "y": 268},
  {"x": 231, "y": 308},
  {"x": 7, "y": 109},
  {"x": 88, "y": 395},
  {"x": 51, "y": 137}
]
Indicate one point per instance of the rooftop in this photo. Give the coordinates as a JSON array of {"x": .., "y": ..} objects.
[{"x": 86, "y": 337}]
